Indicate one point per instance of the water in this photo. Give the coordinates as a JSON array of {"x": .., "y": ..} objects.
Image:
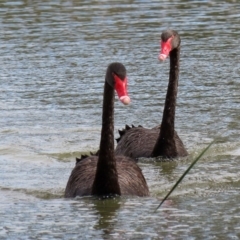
[{"x": 53, "y": 60}]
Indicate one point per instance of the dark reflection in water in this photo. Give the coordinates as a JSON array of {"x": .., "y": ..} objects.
[{"x": 107, "y": 214}]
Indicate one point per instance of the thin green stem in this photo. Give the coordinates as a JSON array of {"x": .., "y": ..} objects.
[{"x": 185, "y": 173}]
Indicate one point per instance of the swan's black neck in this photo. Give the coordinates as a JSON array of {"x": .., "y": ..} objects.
[
  {"x": 165, "y": 145},
  {"x": 106, "y": 178}
]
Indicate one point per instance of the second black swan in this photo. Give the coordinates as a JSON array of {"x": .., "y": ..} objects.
[
  {"x": 108, "y": 174},
  {"x": 161, "y": 140}
]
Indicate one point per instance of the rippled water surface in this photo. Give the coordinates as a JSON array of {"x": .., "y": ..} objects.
[{"x": 53, "y": 57}]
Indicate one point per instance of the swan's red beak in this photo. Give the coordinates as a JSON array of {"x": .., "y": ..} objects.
[
  {"x": 121, "y": 89},
  {"x": 166, "y": 47}
]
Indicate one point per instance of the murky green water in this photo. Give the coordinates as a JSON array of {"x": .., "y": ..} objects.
[{"x": 53, "y": 57}]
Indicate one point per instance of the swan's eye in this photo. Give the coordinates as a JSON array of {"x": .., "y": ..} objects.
[
  {"x": 114, "y": 74},
  {"x": 120, "y": 76}
]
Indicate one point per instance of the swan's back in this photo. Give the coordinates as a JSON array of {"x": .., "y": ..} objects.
[
  {"x": 139, "y": 142},
  {"x": 130, "y": 178}
]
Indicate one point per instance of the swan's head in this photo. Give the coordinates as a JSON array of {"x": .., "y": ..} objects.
[
  {"x": 117, "y": 78},
  {"x": 169, "y": 41}
]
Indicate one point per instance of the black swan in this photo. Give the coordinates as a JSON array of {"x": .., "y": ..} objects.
[
  {"x": 162, "y": 140},
  {"x": 107, "y": 174}
]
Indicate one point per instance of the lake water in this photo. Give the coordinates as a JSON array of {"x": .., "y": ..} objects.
[{"x": 53, "y": 58}]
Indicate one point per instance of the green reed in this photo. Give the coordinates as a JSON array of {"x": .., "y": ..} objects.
[{"x": 185, "y": 173}]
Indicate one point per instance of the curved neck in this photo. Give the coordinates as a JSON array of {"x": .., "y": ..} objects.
[
  {"x": 167, "y": 126},
  {"x": 106, "y": 178},
  {"x": 166, "y": 136}
]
